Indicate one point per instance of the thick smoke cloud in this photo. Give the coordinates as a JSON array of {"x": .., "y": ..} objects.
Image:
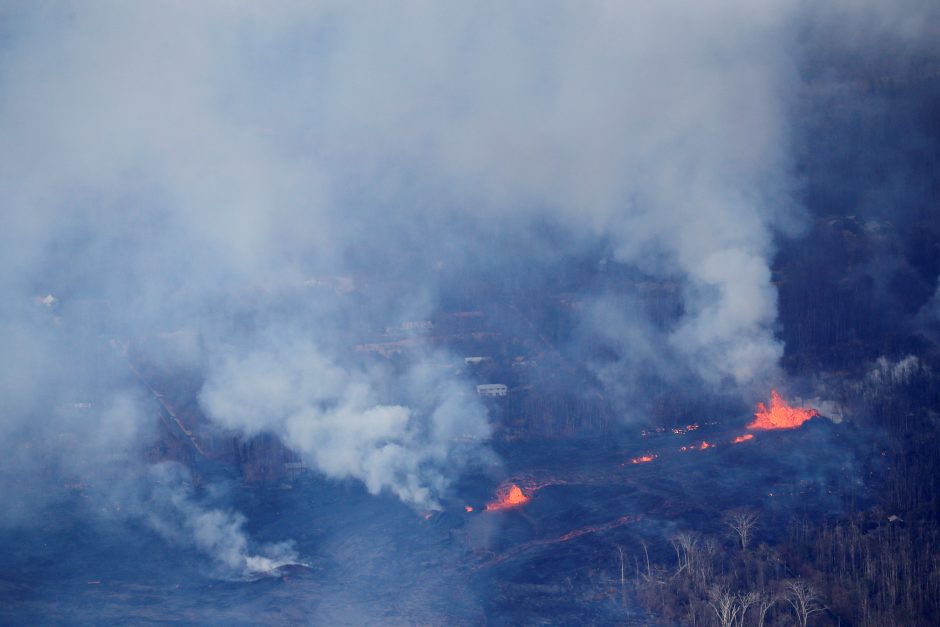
[
  {"x": 334, "y": 417},
  {"x": 638, "y": 125},
  {"x": 271, "y": 186},
  {"x": 865, "y": 139},
  {"x": 165, "y": 163}
]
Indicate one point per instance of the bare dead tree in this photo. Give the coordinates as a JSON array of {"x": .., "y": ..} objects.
[
  {"x": 704, "y": 561},
  {"x": 680, "y": 566},
  {"x": 745, "y": 601},
  {"x": 622, "y": 570},
  {"x": 803, "y": 598},
  {"x": 743, "y": 523},
  {"x": 684, "y": 544},
  {"x": 649, "y": 575},
  {"x": 765, "y": 601},
  {"x": 688, "y": 540},
  {"x": 725, "y": 605}
]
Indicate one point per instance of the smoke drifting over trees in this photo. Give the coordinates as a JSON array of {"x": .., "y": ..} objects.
[
  {"x": 160, "y": 159},
  {"x": 246, "y": 194}
]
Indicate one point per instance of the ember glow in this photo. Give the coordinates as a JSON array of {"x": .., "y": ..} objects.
[
  {"x": 780, "y": 415},
  {"x": 743, "y": 438},
  {"x": 508, "y": 497},
  {"x": 697, "y": 447},
  {"x": 468, "y": 509},
  {"x": 643, "y": 459}
]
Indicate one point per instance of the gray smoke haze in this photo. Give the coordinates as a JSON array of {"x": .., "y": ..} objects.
[
  {"x": 333, "y": 416},
  {"x": 235, "y": 177},
  {"x": 171, "y": 510}
]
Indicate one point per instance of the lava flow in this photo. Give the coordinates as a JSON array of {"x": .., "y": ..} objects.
[
  {"x": 508, "y": 497},
  {"x": 571, "y": 535},
  {"x": 743, "y": 438},
  {"x": 780, "y": 415}
]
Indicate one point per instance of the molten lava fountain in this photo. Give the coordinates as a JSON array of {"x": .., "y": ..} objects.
[
  {"x": 508, "y": 497},
  {"x": 780, "y": 415}
]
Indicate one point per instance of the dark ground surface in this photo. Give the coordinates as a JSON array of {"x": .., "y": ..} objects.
[{"x": 374, "y": 561}]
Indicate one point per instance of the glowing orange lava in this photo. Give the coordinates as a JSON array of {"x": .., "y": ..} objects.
[
  {"x": 643, "y": 459},
  {"x": 508, "y": 497},
  {"x": 701, "y": 447},
  {"x": 780, "y": 415},
  {"x": 743, "y": 438}
]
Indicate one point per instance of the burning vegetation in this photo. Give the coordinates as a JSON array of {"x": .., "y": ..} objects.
[
  {"x": 643, "y": 459},
  {"x": 743, "y": 438},
  {"x": 780, "y": 415}
]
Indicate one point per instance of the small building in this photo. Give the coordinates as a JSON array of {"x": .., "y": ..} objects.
[
  {"x": 492, "y": 389},
  {"x": 294, "y": 469}
]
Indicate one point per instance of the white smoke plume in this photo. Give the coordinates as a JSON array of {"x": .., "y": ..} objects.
[
  {"x": 336, "y": 419},
  {"x": 162, "y": 161},
  {"x": 171, "y": 511}
]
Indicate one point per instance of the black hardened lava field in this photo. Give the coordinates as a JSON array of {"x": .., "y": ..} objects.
[{"x": 525, "y": 313}]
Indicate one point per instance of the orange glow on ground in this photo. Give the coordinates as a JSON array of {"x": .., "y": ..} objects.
[
  {"x": 468, "y": 509},
  {"x": 571, "y": 535},
  {"x": 508, "y": 497},
  {"x": 780, "y": 415},
  {"x": 743, "y": 438},
  {"x": 699, "y": 447},
  {"x": 643, "y": 459}
]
